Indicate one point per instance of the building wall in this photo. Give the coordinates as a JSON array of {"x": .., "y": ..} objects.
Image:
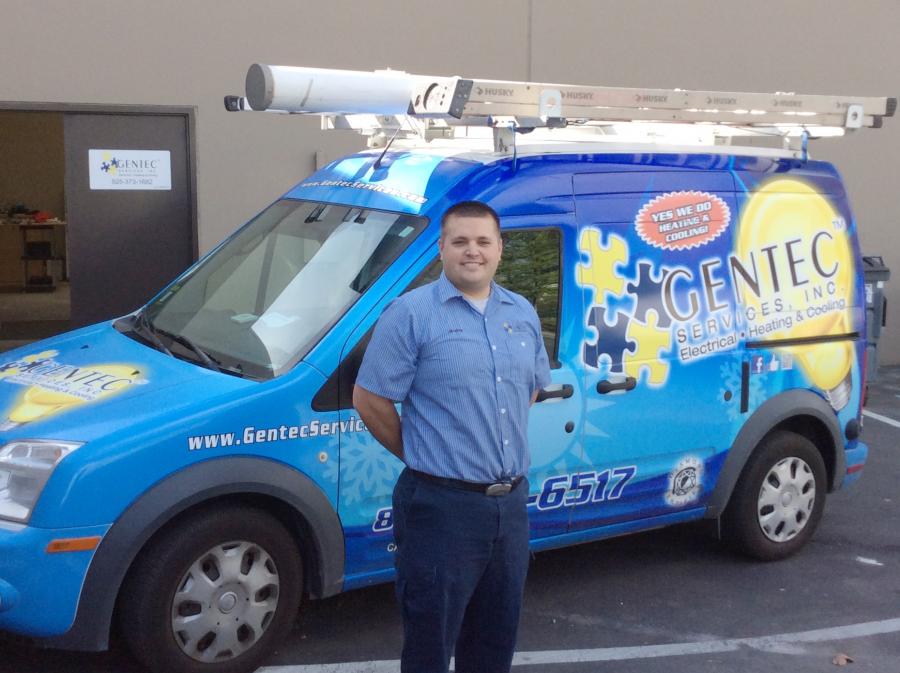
[{"x": 193, "y": 53}]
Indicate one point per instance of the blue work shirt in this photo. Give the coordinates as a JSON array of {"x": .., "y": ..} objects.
[{"x": 464, "y": 380}]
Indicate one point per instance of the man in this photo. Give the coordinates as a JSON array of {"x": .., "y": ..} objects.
[{"x": 466, "y": 359}]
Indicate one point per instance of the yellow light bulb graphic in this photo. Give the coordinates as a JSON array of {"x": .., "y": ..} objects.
[
  {"x": 69, "y": 389},
  {"x": 800, "y": 280}
]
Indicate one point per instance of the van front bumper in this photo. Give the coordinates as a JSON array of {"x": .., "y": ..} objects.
[
  {"x": 856, "y": 453},
  {"x": 39, "y": 591}
]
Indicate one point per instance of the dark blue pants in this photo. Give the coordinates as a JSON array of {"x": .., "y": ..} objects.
[{"x": 461, "y": 563}]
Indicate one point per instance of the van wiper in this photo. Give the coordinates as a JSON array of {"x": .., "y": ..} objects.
[
  {"x": 205, "y": 358},
  {"x": 236, "y": 370},
  {"x": 142, "y": 324}
]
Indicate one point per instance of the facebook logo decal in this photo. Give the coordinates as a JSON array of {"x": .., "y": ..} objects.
[{"x": 757, "y": 364}]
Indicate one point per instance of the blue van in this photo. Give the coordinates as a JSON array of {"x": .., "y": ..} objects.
[{"x": 187, "y": 473}]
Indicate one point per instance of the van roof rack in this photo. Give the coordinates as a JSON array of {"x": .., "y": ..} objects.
[{"x": 386, "y": 104}]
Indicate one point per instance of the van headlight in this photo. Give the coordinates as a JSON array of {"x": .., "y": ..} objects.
[{"x": 25, "y": 467}]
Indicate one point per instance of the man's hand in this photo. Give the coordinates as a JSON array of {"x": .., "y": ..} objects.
[{"x": 381, "y": 418}]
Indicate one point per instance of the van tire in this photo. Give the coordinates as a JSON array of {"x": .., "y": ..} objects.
[
  {"x": 778, "y": 500},
  {"x": 245, "y": 604}
]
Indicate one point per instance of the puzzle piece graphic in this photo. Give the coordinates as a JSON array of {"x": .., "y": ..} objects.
[
  {"x": 650, "y": 343},
  {"x": 600, "y": 273},
  {"x": 611, "y": 339},
  {"x": 649, "y": 295}
]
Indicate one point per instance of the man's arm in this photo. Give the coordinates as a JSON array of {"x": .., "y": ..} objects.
[
  {"x": 541, "y": 361},
  {"x": 381, "y": 418}
]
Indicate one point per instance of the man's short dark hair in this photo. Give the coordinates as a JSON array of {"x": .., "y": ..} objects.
[{"x": 470, "y": 209}]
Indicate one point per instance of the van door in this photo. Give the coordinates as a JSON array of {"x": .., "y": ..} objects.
[{"x": 660, "y": 347}]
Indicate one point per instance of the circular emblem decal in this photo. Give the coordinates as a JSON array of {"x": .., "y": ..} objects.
[{"x": 685, "y": 482}]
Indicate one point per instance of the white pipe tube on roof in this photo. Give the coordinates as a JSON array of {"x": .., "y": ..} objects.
[{"x": 324, "y": 91}]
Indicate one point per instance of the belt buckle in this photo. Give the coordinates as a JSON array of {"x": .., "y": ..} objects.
[{"x": 501, "y": 488}]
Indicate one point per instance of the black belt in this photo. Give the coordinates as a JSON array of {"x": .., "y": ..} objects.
[{"x": 493, "y": 489}]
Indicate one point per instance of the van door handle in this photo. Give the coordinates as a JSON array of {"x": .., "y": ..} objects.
[
  {"x": 607, "y": 386},
  {"x": 550, "y": 393}
]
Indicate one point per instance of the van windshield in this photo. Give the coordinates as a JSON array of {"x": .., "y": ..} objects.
[{"x": 266, "y": 296}]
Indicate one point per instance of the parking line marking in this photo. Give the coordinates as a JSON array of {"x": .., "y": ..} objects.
[
  {"x": 869, "y": 561},
  {"x": 879, "y": 417},
  {"x": 780, "y": 643}
]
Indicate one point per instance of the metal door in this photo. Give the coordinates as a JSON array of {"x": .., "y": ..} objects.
[{"x": 126, "y": 241}]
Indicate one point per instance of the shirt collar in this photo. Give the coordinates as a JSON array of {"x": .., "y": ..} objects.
[{"x": 447, "y": 290}]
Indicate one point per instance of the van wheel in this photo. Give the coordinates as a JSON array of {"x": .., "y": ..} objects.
[
  {"x": 779, "y": 498},
  {"x": 216, "y": 594}
]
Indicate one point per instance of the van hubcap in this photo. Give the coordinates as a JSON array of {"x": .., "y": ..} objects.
[
  {"x": 786, "y": 499},
  {"x": 225, "y": 601}
]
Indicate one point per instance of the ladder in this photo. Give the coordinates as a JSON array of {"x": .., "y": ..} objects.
[{"x": 387, "y": 102}]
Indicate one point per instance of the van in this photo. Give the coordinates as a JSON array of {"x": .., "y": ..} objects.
[{"x": 187, "y": 473}]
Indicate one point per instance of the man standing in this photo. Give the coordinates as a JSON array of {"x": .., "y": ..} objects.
[{"x": 465, "y": 358}]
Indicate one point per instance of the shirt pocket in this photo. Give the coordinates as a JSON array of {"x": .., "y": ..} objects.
[
  {"x": 520, "y": 346},
  {"x": 455, "y": 360}
]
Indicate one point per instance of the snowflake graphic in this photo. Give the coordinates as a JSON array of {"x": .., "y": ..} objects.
[
  {"x": 365, "y": 470},
  {"x": 104, "y": 167},
  {"x": 730, "y": 373}
]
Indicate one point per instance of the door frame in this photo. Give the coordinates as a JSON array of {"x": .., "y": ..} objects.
[{"x": 188, "y": 111}]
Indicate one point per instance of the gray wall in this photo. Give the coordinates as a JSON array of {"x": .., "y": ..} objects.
[{"x": 192, "y": 53}]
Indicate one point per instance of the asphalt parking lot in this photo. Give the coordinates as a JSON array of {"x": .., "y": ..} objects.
[{"x": 669, "y": 600}]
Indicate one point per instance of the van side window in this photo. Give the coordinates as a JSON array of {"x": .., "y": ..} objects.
[{"x": 530, "y": 267}]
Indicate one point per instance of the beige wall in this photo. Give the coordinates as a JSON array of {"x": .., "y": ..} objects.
[{"x": 176, "y": 52}]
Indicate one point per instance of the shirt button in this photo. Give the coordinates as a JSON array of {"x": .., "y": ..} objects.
[
  {"x": 503, "y": 411},
  {"x": 493, "y": 347},
  {"x": 499, "y": 379},
  {"x": 506, "y": 441}
]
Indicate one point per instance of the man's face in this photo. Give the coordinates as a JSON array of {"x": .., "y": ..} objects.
[{"x": 470, "y": 251}]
